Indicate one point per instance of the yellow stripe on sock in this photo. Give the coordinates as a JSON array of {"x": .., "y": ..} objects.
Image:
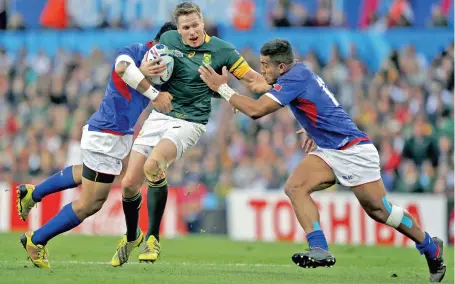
[
  {"x": 152, "y": 184},
  {"x": 131, "y": 199}
]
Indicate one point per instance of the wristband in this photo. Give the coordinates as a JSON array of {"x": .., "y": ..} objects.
[
  {"x": 151, "y": 93},
  {"x": 226, "y": 92}
]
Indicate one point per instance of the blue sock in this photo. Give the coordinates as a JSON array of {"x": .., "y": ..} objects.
[
  {"x": 64, "y": 221},
  {"x": 428, "y": 247},
  {"x": 58, "y": 182},
  {"x": 317, "y": 239}
]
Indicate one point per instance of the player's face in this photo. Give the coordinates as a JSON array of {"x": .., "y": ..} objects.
[
  {"x": 270, "y": 70},
  {"x": 191, "y": 28}
]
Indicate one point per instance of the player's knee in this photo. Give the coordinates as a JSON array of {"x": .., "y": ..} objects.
[
  {"x": 291, "y": 188},
  {"x": 152, "y": 169},
  {"x": 378, "y": 214},
  {"x": 95, "y": 206},
  {"x": 87, "y": 208},
  {"x": 377, "y": 211},
  {"x": 130, "y": 186},
  {"x": 396, "y": 215}
]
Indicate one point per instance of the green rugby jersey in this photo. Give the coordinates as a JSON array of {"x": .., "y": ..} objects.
[{"x": 192, "y": 97}]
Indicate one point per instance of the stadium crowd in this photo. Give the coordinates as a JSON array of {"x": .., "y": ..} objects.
[
  {"x": 406, "y": 108},
  {"x": 378, "y": 15}
]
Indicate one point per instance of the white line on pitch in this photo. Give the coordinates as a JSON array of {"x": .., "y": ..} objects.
[{"x": 165, "y": 263}]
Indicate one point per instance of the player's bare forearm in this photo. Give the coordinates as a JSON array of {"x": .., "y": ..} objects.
[
  {"x": 254, "y": 108},
  {"x": 249, "y": 106},
  {"x": 246, "y": 105},
  {"x": 143, "y": 85},
  {"x": 255, "y": 82}
]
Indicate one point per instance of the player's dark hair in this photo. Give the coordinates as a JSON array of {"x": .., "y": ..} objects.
[
  {"x": 186, "y": 8},
  {"x": 279, "y": 50},
  {"x": 168, "y": 26}
]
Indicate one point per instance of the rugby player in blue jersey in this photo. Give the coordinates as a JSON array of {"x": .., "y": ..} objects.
[
  {"x": 344, "y": 154},
  {"x": 106, "y": 141}
]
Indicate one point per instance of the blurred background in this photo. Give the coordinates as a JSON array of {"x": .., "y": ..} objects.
[{"x": 390, "y": 63}]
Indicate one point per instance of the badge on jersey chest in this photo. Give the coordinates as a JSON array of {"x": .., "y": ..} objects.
[{"x": 207, "y": 59}]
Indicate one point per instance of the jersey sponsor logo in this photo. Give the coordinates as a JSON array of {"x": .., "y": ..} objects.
[
  {"x": 348, "y": 177},
  {"x": 207, "y": 59},
  {"x": 191, "y": 54},
  {"x": 277, "y": 87},
  {"x": 344, "y": 142},
  {"x": 181, "y": 116}
]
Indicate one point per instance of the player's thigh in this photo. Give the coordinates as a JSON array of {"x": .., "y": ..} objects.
[
  {"x": 98, "y": 173},
  {"x": 164, "y": 151},
  {"x": 163, "y": 154},
  {"x": 77, "y": 174},
  {"x": 94, "y": 192},
  {"x": 183, "y": 134},
  {"x": 308, "y": 175},
  {"x": 92, "y": 197}
]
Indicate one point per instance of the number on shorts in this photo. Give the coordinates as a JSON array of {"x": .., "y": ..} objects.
[{"x": 326, "y": 90}]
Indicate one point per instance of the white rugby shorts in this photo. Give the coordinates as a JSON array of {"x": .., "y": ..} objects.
[
  {"x": 356, "y": 165},
  {"x": 182, "y": 133},
  {"x": 103, "y": 152}
]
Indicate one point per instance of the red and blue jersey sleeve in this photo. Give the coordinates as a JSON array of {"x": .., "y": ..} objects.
[
  {"x": 133, "y": 51},
  {"x": 285, "y": 91}
]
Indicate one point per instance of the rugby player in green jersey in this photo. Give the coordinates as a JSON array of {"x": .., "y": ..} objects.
[{"x": 165, "y": 137}]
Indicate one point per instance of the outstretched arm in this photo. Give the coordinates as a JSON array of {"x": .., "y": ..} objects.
[
  {"x": 240, "y": 69},
  {"x": 249, "y": 106},
  {"x": 255, "y": 82}
]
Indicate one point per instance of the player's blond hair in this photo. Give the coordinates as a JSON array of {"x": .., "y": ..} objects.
[{"x": 184, "y": 9}]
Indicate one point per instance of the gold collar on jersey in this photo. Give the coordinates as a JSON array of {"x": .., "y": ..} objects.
[{"x": 206, "y": 39}]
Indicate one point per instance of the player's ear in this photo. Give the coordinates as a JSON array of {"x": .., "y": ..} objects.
[{"x": 282, "y": 68}]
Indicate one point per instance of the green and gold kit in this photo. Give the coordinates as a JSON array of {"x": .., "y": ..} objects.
[{"x": 192, "y": 97}]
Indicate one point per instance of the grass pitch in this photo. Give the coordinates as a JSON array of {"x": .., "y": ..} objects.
[{"x": 208, "y": 259}]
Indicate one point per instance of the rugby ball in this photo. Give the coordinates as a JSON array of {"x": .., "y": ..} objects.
[{"x": 157, "y": 51}]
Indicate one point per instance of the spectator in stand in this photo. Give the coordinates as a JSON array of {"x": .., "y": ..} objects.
[
  {"x": 437, "y": 18},
  {"x": 287, "y": 13}
]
